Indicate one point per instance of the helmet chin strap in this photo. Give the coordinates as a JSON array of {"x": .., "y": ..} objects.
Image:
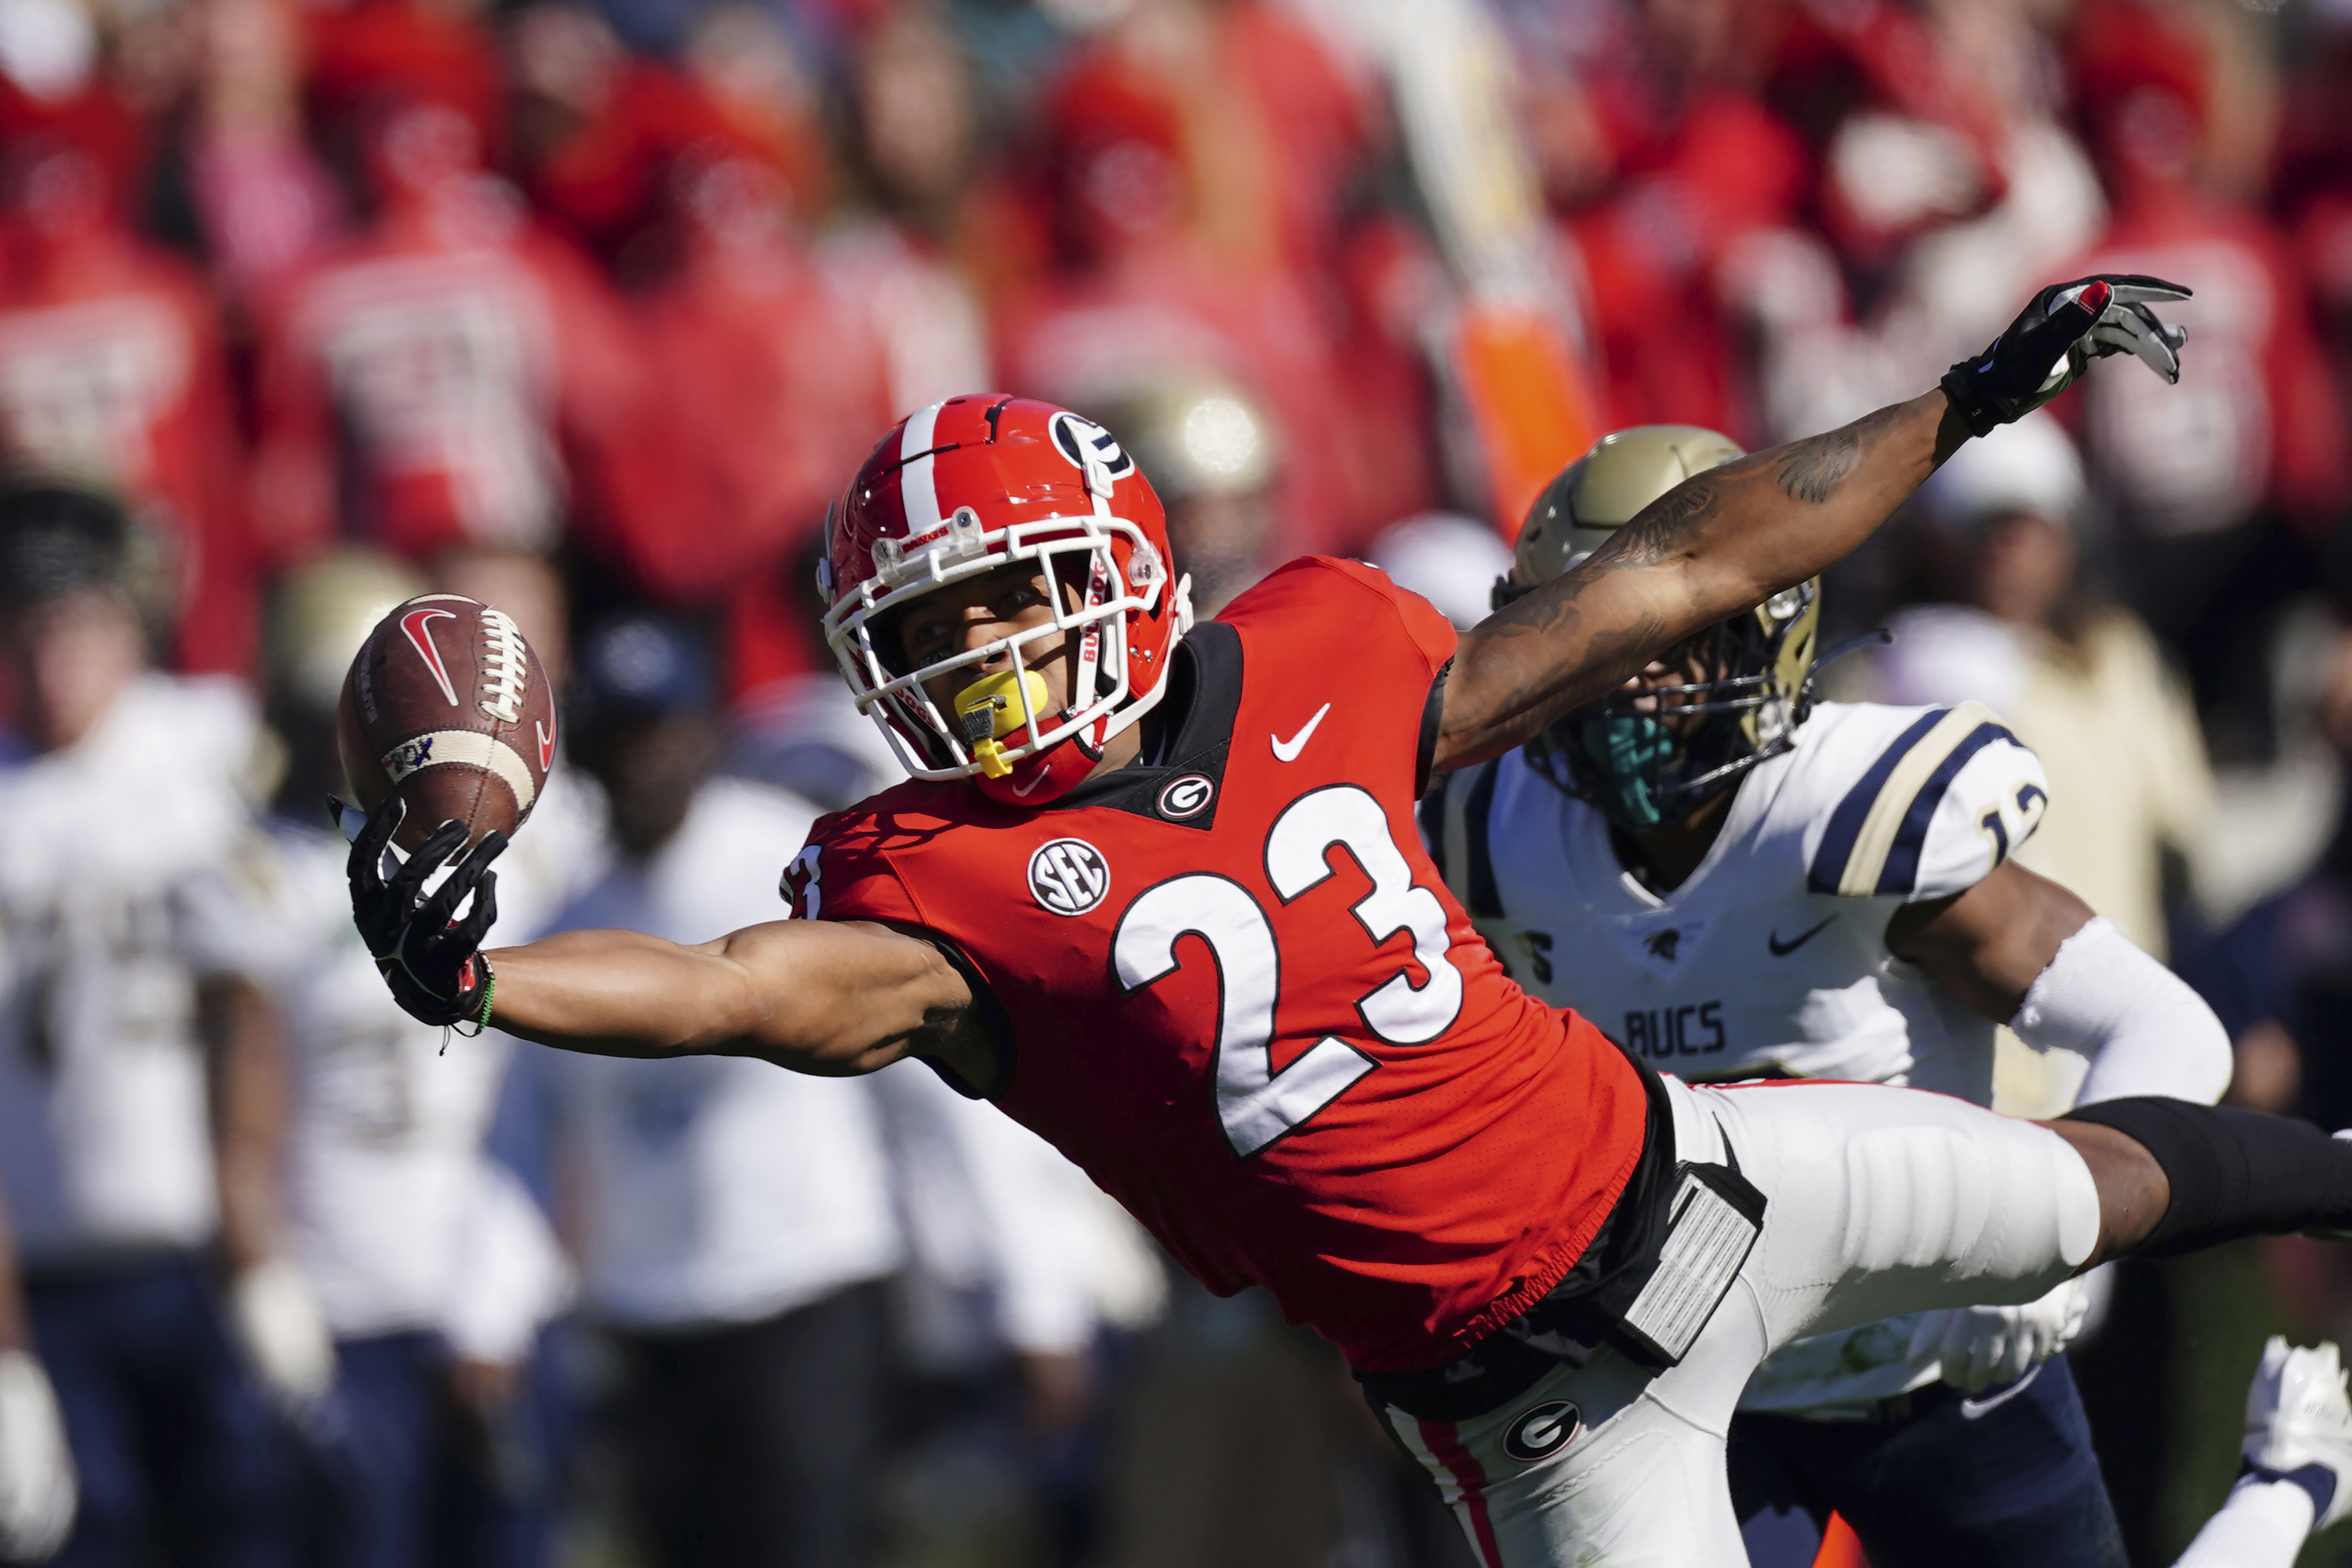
[{"x": 1050, "y": 774}]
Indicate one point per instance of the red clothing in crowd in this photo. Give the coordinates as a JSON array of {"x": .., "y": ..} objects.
[
  {"x": 1686, "y": 192},
  {"x": 2259, "y": 420},
  {"x": 111, "y": 367},
  {"x": 1194, "y": 208},
  {"x": 773, "y": 384},
  {"x": 457, "y": 376}
]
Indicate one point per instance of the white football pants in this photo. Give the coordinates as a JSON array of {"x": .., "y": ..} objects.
[{"x": 1879, "y": 1201}]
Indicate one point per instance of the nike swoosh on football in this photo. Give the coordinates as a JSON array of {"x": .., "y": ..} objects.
[
  {"x": 1783, "y": 949},
  {"x": 1978, "y": 1409},
  {"x": 1287, "y": 750}
]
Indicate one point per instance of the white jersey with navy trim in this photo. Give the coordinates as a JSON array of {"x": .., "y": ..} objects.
[
  {"x": 106, "y": 849},
  {"x": 1770, "y": 959}
]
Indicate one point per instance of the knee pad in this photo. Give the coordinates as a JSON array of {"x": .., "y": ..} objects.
[{"x": 2233, "y": 1173}]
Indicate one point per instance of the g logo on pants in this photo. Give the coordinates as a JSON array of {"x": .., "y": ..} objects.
[{"x": 1542, "y": 1431}]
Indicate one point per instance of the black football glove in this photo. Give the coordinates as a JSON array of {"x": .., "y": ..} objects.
[
  {"x": 433, "y": 964},
  {"x": 2065, "y": 327}
]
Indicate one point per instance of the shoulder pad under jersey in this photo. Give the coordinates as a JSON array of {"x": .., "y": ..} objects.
[{"x": 1928, "y": 801}]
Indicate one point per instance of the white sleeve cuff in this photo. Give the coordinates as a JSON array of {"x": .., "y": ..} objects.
[{"x": 2144, "y": 1029}]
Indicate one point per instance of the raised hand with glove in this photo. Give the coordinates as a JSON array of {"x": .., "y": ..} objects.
[
  {"x": 2058, "y": 333},
  {"x": 429, "y": 955}
]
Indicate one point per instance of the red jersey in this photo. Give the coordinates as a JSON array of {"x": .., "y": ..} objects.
[
  {"x": 112, "y": 368},
  {"x": 457, "y": 376},
  {"x": 1240, "y": 996}
]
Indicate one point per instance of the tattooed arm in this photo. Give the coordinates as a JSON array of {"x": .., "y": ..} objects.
[{"x": 1710, "y": 547}]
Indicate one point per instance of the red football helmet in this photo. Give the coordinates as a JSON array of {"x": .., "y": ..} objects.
[{"x": 970, "y": 485}]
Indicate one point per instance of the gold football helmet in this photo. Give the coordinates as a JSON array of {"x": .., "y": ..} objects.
[{"x": 1654, "y": 750}]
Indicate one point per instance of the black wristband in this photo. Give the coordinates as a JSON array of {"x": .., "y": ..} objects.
[{"x": 1976, "y": 412}]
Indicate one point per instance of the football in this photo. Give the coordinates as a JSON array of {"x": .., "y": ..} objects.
[{"x": 446, "y": 704}]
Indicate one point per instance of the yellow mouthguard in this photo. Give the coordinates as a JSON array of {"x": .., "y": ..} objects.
[{"x": 992, "y": 703}]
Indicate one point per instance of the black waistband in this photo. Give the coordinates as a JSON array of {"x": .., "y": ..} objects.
[{"x": 1576, "y": 1316}]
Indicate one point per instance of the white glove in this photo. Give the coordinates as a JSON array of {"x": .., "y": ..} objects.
[
  {"x": 37, "y": 1474},
  {"x": 1979, "y": 1347},
  {"x": 278, "y": 1326}
]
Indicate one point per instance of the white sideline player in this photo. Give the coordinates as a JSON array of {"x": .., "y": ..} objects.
[
  {"x": 432, "y": 1273},
  {"x": 1734, "y": 884},
  {"x": 137, "y": 1155}
]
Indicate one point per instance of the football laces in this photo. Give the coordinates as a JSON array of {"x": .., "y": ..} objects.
[{"x": 503, "y": 668}]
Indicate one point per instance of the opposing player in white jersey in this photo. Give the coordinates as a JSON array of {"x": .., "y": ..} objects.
[
  {"x": 432, "y": 1269},
  {"x": 137, "y": 1162},
  {"x": 1738, "y": 883}
]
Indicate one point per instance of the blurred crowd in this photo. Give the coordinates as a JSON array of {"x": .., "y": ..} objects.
[{"x": 587, "y": 308}]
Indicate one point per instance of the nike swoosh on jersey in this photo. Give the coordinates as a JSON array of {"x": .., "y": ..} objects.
[
  {"x": 1978, "y": 1409},
  {"x": 1287, "y": 750},
  {"x": 1783, "y": 949}
]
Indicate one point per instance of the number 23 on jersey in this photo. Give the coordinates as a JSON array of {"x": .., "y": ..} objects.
[{"x": 1257, "y": 1104}]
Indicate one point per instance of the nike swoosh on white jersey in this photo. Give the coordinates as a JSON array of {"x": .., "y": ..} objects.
[
  {"x": 1978, "y": 1409},
  {"x": 1287, "y": 750}
]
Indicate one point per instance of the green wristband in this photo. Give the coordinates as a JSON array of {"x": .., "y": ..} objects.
[{"x": 480, "y": 1020}]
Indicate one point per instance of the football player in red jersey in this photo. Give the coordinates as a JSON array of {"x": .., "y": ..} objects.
[{"x": 1156, "y": 891}]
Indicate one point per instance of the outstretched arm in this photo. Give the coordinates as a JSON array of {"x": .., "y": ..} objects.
[
  {"x": 1713, "y": 545},
  {"x": 1732, "y": 537},
  {"x": 834, "y": 998}
]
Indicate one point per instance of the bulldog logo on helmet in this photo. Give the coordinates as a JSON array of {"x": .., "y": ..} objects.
[{"x": 1075, "y": 436}]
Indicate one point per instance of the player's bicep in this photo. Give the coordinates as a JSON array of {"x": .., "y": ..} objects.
[
  {"x": 837, "y": 998},
  {"x": 1989, "y": 944}
]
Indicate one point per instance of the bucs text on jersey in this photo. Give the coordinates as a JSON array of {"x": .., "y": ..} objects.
[
  {"x": 1237, "y": 994},
  {"x": 1770, "y": 959}
]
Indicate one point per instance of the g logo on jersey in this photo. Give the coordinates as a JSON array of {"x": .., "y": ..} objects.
[
  {"x": 1543, "y": 1431},
  {"x": 1075, "y": 437},
  {"x": 1187, "y": 796},
  {"x": 1069, "y": 876}
]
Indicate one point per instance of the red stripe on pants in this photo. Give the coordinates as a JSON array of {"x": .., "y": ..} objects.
[{"x": 1447, "y": 1446}]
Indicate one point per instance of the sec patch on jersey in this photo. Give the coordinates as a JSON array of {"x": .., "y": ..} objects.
[{"x": 445, "y": 703}]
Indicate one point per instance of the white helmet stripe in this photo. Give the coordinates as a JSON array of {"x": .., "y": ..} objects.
[{"x": 916, "y": 488}]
